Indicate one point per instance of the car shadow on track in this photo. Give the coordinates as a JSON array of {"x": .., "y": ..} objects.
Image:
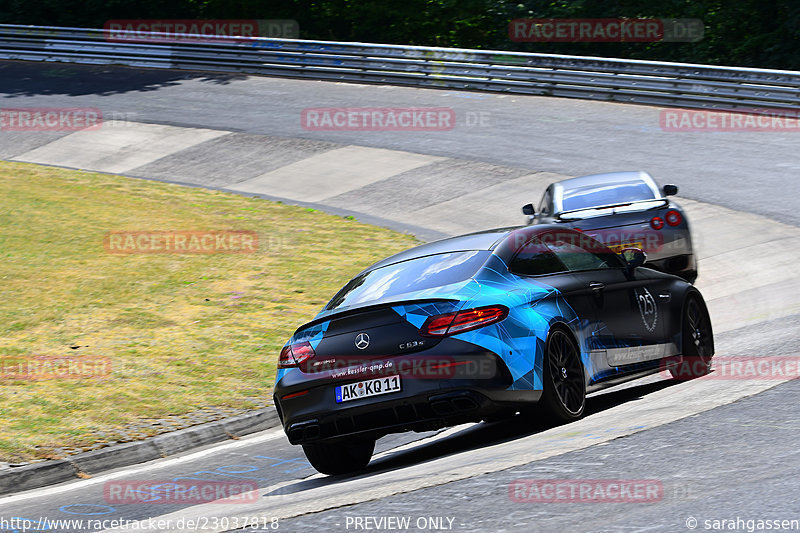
[
  {"x": 30, "y": 78},
  {"x": 478, "y": 436}
]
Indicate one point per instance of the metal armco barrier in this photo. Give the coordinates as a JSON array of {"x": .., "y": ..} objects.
[{"x": 618, "y": 80}]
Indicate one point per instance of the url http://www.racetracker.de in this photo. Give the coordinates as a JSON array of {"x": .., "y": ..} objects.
[{"x": 21, "y": 525}]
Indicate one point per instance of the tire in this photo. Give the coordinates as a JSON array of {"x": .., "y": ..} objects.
[
  {"x": 564, "y": 395},
  {"x": 339, "y": 457},
  {"x": 697, "y": 339}
]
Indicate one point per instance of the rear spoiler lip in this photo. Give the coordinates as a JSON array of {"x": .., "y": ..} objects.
[
  {"x": 366, "y": 308},
  {"x": 560, "y": 216}
]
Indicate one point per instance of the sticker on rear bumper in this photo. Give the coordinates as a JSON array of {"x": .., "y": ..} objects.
[{"x": 368, "y": 388}]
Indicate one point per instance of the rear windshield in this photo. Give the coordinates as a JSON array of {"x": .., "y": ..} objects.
[
  {"x": 412, "y": 275},
  {"x": 608, "y": 194}
]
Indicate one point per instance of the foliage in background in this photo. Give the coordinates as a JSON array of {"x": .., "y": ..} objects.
[{"x": 745, "y": 33}]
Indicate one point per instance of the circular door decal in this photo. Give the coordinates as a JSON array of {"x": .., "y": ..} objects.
[{"x": 647, "y": 308}]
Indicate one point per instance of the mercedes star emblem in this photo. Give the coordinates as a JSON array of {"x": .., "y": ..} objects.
[{"x": 362, "y": 341}]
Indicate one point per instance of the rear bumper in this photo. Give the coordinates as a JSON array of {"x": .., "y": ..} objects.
[
  {"x": 683, "y": 265},
  {"x": 668, "y": 250},
  {"x": 423, "y": 404},
  {"x": 419, "y": 413}
]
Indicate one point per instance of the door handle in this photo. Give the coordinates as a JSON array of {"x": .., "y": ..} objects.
[
  {"x": 666, "y": 296},
  {"x": 596, "y": 286}
]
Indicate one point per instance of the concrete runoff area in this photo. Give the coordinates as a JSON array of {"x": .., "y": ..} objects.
[
  {"x": 493, "y": 206},
  {"x": 232, "y": 158},
  {"x": 333, "y": 172},
  {"x": 119, "y": 147},
  {"x": 403, "y": 194},
  {"x": 18, "y": 142}
]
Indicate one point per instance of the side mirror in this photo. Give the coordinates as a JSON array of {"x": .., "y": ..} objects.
[
  {"x": 670, "y": 190},
  {"x": 633, "y": 257},
  {"x": 528, "y": 209}
]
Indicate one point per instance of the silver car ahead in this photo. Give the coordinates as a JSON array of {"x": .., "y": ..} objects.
[{"x": 623, "y": 210}]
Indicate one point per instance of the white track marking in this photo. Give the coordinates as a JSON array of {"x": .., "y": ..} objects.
[{"x": 153, "y": 465}]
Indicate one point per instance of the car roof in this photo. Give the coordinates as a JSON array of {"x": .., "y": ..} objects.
[
  {"x": 481, "y": 240},
  {"x": 486, "y": 240},
  {"x": 606, "y": 178}
]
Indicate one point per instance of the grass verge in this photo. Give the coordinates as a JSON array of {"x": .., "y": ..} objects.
[{"x": 182, "y": 333}]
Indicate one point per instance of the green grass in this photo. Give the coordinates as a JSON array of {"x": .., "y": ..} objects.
[{"x": 183, "y": 332}]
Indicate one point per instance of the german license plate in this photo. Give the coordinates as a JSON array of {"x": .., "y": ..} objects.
[
  {"x": 368, "y": 388},
  {"x": 619, "y": 247}
]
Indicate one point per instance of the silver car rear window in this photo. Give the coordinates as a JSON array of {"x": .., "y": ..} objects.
[{"x": 607, "y": 194}]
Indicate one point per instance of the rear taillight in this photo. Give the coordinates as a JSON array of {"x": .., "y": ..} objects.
[
  {"x": 673, "y": 217},
  {"x": 656, "y": 222},
  {"x": 465, "y": 320},
  {"x": 295, "y": 354}
]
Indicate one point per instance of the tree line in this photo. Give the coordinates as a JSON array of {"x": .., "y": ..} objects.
[{"x": 752, "y": 33}]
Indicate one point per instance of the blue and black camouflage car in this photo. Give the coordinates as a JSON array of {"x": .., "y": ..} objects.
[{"x": 516, "y": 320}]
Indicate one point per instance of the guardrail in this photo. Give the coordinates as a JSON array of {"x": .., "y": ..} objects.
[{"x": 618, "y": 80}]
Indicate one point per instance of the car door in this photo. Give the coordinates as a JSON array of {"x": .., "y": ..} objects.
[
  {"x": 535, "y": 266},
  {"x": 666, "y": 294},
  {"x": 629, "y": 324}
]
